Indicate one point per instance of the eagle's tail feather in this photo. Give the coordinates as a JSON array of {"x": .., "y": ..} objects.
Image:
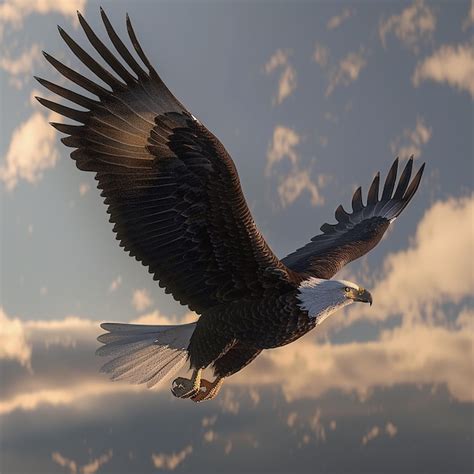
[{"x": 144, "y": 353}]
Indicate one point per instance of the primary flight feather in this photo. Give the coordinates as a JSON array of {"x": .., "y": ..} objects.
[{"x": 174, "y": 195}]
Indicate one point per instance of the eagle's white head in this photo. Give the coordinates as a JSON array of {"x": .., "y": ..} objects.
[{"x": 320, "y": 298}]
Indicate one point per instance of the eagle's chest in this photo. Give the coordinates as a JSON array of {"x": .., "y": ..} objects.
[{"x": 272, "y": 323}]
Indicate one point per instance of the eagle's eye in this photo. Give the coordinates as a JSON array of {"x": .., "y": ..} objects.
[{"x": 347, "y": 289}]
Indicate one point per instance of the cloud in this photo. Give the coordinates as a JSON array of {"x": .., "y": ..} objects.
[
  {"x": 337, "y": 20},
  {"x": 450, "y": 64},
  {"x": 433, "y": 270},
  {"x": 31, "y": 151},
  {"x": 413, "y": 26},
  {"x": 347, "y": 71},
  {"x": 14, "y": 12},
  {"x": 21, "y": 67},
  {"x": 13, "y": 343},
  {"x": 171, "y": 461},
  {"x": 306, "y": 369},
  {"x": 141, "y": 299},
  {"x": 321, "y": 55},
  {"x": 292, "y": 186},
  {"x": 372, "y": 434},
  {"x": 317, "y": 426},
  {"x": 72, "y": 394},
  {"x": 114, "y": 285},
  {"x": 89, "y": 468},
  {"x": 84, "y": 188},
  {"x": 469, "y": 20},
  {"x": 17, "y": 337},
  {"x": 391, "y": 429},
  {"x": 297, "y": 180},
  {"x": 411, "y": 141},
  {"x": 282, "y": 147},
  {"x": 287, "y": 82}
]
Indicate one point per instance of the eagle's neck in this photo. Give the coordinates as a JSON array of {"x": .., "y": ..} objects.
[{"x": 320, "y": 298}]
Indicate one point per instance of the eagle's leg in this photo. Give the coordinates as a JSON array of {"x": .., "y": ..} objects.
[
  {"x": 208, "y": 390},
  {"x": 186, "y": 388}
]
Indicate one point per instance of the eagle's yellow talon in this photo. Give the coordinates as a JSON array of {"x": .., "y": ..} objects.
[{"x": 208, "y": 390}]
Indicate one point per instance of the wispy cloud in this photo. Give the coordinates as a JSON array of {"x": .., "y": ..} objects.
[
  {"x": 171, "y": 461},
  {"x": 84, "y": 189},
  {"x": 20, "y": 67},
  {"x": 295, "y": 181},
  {"x": 321, "y": 55},
  {"x": 390, "y": 430},
  {"x": 141, "y": 299},
  {"x": 347, "y": 71},
  {"x": 413, "y": 26},
  {"x": 115, "y": 284},
  {"x": 411, "y": 142},
  {"x": 14, "y": 12},
  {"x": 287, "y": 82},
  {"x": 31, "y": 151},
  {"x": 293, "y": 184},
  {"x": 337, "y": 20},
  {"x": 451, "y": 64},
  {"x": 282, "y": 147},
  {"x": 372, "y": 434},
  {"x": 90, "y": 468}
]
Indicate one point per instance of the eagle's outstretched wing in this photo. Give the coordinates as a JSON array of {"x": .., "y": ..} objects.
[
  {"x": 358, "y": 232},
  {"x": 171, "y": 188}
]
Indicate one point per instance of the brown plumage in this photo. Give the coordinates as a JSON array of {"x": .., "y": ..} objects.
[{"x": 175, "y": 199}]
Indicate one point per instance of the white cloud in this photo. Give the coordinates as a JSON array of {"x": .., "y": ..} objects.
[
  {"x": 19, "y": 68},
  {"x": 297, "y": 180},
  {"x": 13, "y": 12},
  {"x": 337, "y": 20},
  {"x": 287, "y": 82},
  {"x": 141, "y": 299},
  {"x": 305, "y": 369},
  {"x": 451, "y": 64},
  {"x": 321, "y": 55},
  {"x": 347, "y": 71},
  {"x": 414, "y": 25},
  {"x": 114, "y": 285},
  {"x": 469, "y": 20},
  {"x": 209, "y": 421},
  {"x": 291, "y": 419},
  {"x": 391, "y": 429},
  {"x": 31, "y": 151},
  {"x": 84, "y": 188},
  {"x": 171, "y": 461},
  {"x": 317, "y": 426},
  {"x": 434, "y": 270},
  {"x": 411, "y": 141},
  {"x": 292, "y": 185},
  {"x": 90, "y": 468},
  {"x": 373, "y": 433},
  {"x": 282, "y": 146},
  {"x": 13, "y": 343}
]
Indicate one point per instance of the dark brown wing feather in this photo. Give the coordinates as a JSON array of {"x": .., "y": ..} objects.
[
  {"x": 171, "y": 188},
  {"x": 358, "y": 232}
]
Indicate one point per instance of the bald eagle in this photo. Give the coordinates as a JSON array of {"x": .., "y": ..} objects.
[{"x": 174, "y": 195}]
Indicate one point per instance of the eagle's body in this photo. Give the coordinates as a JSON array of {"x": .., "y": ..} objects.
[{"x": 174, "y": 195}]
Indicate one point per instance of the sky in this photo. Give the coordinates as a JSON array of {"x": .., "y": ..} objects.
[{"x": 311, "y": 99}]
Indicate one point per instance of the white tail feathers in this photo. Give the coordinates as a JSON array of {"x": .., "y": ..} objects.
[{"x": 142, "y": 353}]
